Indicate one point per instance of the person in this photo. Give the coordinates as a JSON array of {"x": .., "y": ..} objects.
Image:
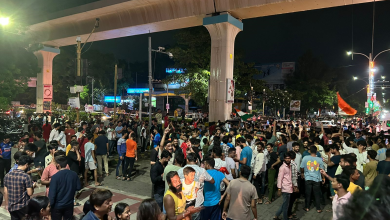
[
  {"x": 352, "y": 173},
  {"x": 61, "y": 139},
  {"x": 5, "y": 157},
  {"x": 121, "y": 148},
  {"x": 50, "y": 171},
  {"x": 156, "y": 176},
  {"x": 118, "y": 130},
  {"x": 131, "y": 156},
  {"x": 230, "y": 164},
  {"x": 246, "y": 153},
  {"x": 285, "y": 186},
  {"x": 148, "y": 210},
  {"x": 175, "y": 114},
  {"x": 74, "y": 157},
  {"x": 340, "y": 184},
  {"x": 90, "y": 161},
  {"x": 159, "y": 119},
  {"x": 111, "y": 138},
  {"x": 122, "y": 211},
  {"x": 101, "y": 204},
  {"x": 46, "y": 131},
  {"x": 69, "y": 131},
  {"x": 384, "y": 165},
  {"x": 101, "y": 150},
  {"x": 272, "y": 167},
  {"x": 259, "y": 168},
  {"x": 174, "y": 200},
  {"x": 63, "y": 186},
  {"x": 156, "y": 137},
  {"x": 333, "y": 163},
  {"x": 18, "y": 187},
  {"x": 183, "y": 114},
  {"x": 310, "y": 171},
  {"x": 38, "y": 208},
  {"x": 369, "y": 171},
  {"x": 52, "y": 148},
  {"x": 39, "y": 160},
  {"x": 17, "y": 155},
  {"x": 369, "y": 204},
  {"x": 177, "y": 164},
  {"x": 212, "y": 210},
  {"x": 190, "y": 186},
  {"x": 240, "y": 196}
]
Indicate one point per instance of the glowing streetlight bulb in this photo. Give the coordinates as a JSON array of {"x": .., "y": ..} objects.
[
  {"x": 349, "y": 53},
  {"x": 355, "y": 78},
  {"x": 4, "y": 21}
]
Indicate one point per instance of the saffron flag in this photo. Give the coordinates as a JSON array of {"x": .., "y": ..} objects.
[{"x": 344, "y": 108}]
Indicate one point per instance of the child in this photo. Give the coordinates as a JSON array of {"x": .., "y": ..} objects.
[
  {"x": 122, "y": 211},
  {"x": 190, "y": 186},
  {"x": 90, "y": 161}
]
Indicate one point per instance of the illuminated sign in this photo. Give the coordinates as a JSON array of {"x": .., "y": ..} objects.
[
  {"x": 137, "y": 90},
  {"x": 111, "y": 99},
  {"x": 174, "y": 70}
]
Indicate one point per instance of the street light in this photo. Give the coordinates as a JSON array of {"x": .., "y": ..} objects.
[{"x": 4, "y": 21}]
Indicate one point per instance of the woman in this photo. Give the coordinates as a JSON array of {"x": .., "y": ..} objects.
[
  {"x": 38, "y": 208},
  {"x": 46, "y": 131},
  {"x": 122, "y": 211},
  {"x": 149, "y": 210}
]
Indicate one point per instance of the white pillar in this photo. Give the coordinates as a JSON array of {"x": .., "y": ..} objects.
[
  {"x": 223, "y": 30},
  {"x": 44, "y": 78}
]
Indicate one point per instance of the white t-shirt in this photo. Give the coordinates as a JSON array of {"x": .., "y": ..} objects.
[
  {"x": 230, "y": 165},
  {"x": 189, "y": 191},
  {"x": 89, "y": 147},
  {"x": 219, "y": 163},
  {"x": 109, "y": 134}
]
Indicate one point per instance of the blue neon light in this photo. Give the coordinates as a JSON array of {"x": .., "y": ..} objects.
[
  {"x": 137, "y": 90},
  {"x": 111, "y": 99},
  {"x": 174, "y": 70}
]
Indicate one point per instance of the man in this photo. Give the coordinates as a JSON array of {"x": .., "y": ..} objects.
[
  {"x": 212, "y": 210},
  {"x": 352, "y": 173},
  {"x": 54, "y": 134},
  {"x": 118, "y": 130},
  {"x": 90, "y": 161},
  {"x": 360, "y": 152},
  {"x": 183, "y": 114},
  {"x": 111, "y": 138},
  {"x": 310, "y": 171},
  {"x": 143, "y": 137},
  {"x": 340, "y": 183},
  {"x": 39, "y": 160},
  {"x": 156, "y": 137},
  {"x": 131, "y": 155},
  {"x": 177, "y": 164},
  {"x": 101, "y": 150},
  {"x": 174, "y": 200},
  {"x": 201, "y": 176},
  {"x": 101, "y": 203},
  {"x": 259, "y": 168},
  {"x": 73, "y": 138},
  {"x": 63, "y": 186},
  {"x": 69, "y": 131},
  {"x": 384, "y": 165},
  {"x": 272, "y": 167},
  {"x": 159, "y": 119},
  {"x": 285, "y": 186},
  {"x": 240, "y": 195},
  {"x": 18, "y": 187},
  {"x": 333, "y": 163},
  {"x": 220, "y": 165},
  {"x": 52, "y": 148},
  {"x": 246, "y": 153},
  {"x": 5, "y": 157},
  {"x": 358, "y": 137},
  {"x": 156, "y": 175},
  {"x": 121, "y": 148},
  {"x": 230, "y": 164}
]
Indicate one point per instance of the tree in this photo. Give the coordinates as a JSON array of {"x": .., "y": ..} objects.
[{"x": 311, "y": 83}]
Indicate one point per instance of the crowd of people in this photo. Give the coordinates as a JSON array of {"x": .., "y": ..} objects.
[{"x": 199, "y": 170}]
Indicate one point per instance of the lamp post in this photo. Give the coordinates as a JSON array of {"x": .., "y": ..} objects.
[
  {"x": 150, "y": 50},
  {"x": 372, "y": 70}
]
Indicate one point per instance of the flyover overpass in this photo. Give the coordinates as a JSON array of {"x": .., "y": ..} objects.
[{"x": 123, "y": 18}]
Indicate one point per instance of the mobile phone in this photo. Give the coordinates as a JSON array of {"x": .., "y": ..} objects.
[
  {"x": 387, "y": 141},
  {"x": 330, "y": 141}
]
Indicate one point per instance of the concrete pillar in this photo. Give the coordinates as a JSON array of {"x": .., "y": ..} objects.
[
  {"x": 187, "y": 100},
  {"x": 223, "y": 30},
  {"x": 44, "y": 78}
]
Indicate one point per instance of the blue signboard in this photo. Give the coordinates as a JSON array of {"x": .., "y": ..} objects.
[
  {"x": 174, "y": 70},
  {"x": 137, "y": 90},
  {"x": 111, "y": 99}
]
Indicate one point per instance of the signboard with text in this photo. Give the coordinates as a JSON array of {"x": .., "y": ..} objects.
[{"x": 229, "y": 91}]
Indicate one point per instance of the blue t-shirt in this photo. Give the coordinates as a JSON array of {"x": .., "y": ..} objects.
[
  {"x": 156, "y": 140},
  {"x": 230, "y": 145},
  {"x": 6, "y": 150},
  {"x": 246, "y": 153},
  {"x": 312, "y": 167},
  {"x": 306, "y": 153},
  {"x": 212, "y": 191},
  {"x": 116, "y": 132}
]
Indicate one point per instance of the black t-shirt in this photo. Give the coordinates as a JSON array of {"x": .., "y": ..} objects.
[
  {"x": 101, "y": 145},
  {"x": 383, "y": 167},
  {"x": 72, "y": 161},
  {"x": 154, "y": 155},
  {"x": 332, "y": 170},
  {"x": 273, "y": 158},
  {"x": 282, "y": 150}
]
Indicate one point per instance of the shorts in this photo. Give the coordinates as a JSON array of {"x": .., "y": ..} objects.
[{"x": 90, "y": 166}]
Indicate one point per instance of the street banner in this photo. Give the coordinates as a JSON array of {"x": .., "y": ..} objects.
[
  {"x": 295, "y": 105},
  {"x": 47, "y": 91},
  {"x": 74, "y": 102},
  {"x": 229, "y": 91}
]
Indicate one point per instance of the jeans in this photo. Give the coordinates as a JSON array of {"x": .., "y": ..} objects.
[
  {"x": 316, "y": 188},
  {"x": 211, "y": 213},
  {"x": 271, "y": 184},
  {"x": 129, "y": 161},
  {"x": 18, "y": 214},
  {"x": 260, "y": 182},
  {"x": 159, "y": 199},
  {"x": 143, "y": 144},
  {"x": 112, "y": 146},
  {"x": 5, "y": 166},
  {"x": 121, "y": 162},
  {"x": 63, "y": 213},
  {"x": 294, "y": 196},
  {"x": 284, "y": 207},
  {"x": 102, "y": 159}
]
